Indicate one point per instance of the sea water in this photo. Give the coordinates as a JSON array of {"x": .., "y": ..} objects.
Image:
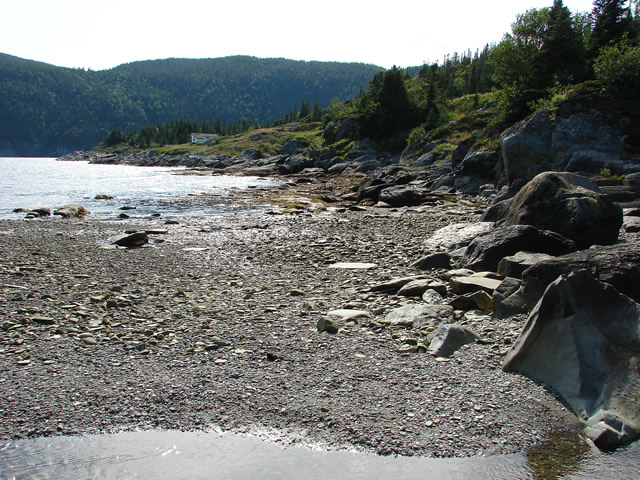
[{"x": 31, "y": 183}]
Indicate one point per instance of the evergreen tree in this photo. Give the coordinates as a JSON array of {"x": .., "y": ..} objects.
[
  {"x": 611, "y": 22},
  {"x": 561, "y": 57}
]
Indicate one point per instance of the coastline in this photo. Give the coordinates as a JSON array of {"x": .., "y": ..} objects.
[{"x": 214, "y": 324}]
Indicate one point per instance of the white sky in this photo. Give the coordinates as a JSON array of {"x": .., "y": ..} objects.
[{"x": 103, "y": 34}]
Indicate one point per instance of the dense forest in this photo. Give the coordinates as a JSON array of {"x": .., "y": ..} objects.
[
  {"x": 548, "y": 52},
  {"x": 51, "y": 110}
]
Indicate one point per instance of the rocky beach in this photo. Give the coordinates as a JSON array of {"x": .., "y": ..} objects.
[{"x": 215, "y": 323}]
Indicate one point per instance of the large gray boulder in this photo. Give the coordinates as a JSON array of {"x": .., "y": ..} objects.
[
  {"x": 486, "y": 251},
  {"x": 618, "y": 265},
  {"x": 583, "y": 339},
  {"x": 526, "y": 147},
  {"x": 585, "y": 132},
  {"x": 456, "y": 235},
  {"x": 565, "y": 203}
]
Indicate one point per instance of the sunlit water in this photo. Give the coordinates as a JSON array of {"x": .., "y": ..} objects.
[
  {"x": 45, "y": 182},
  {"x": 199, "y": 455}
]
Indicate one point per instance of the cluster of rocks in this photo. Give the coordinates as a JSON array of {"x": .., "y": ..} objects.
[{"x": 66, "y": 211}]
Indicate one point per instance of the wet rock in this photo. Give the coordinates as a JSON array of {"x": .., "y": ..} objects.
[
  {"x": 446, "y": 339},
  {"x": 42, "y": 211},
  {"x": 72, "y": 210},
  {"x": 583, "y": 340}
]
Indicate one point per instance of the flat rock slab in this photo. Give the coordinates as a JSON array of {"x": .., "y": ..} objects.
[
  {"x": 348, "y": 314},
  {"x": 353, "y": 265},
  {"x": 462, "y": 285},
  {"x": 419, "y": 315}
]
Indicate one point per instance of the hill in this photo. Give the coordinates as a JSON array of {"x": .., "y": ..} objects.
[{"x": 49, "y": 110}]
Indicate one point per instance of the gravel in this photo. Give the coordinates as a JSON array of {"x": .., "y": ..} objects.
[{"x": 214, "y": 324}]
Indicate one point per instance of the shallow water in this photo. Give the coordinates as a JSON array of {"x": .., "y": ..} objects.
[
  {"x": 45, "y": 182},
  {"x": 205, "y": 455}
]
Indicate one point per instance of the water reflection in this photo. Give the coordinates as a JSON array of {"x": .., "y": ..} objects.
[{"x": 200, "y": 455}]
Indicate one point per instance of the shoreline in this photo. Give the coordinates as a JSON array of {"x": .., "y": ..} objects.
[{"x": 214, "y": 324}]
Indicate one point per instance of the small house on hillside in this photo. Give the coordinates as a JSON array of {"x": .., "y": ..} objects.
[{"x": 204, "y": 137}]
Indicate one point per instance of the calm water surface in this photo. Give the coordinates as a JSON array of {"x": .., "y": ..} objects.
[
  {"x": 45, "y": 182},
  {"x": 211, "y": 455}
]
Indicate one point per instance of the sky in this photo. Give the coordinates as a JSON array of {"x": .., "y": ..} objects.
[{"x": 101, "y": 34}]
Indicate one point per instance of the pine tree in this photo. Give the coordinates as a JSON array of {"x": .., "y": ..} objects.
[
  {"x": 561, "y": 57},
  {"x": 611, "y": 21}
]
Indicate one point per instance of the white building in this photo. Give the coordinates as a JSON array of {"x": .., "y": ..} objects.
[{"x": 204, "y": 137}]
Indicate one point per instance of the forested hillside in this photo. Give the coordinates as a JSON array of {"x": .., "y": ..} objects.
[
  {"x": 549, "y": 52},
  {"x": 48, "y": 110}
]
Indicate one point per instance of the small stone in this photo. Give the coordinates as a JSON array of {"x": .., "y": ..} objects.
[{"x": 326, "y": 324}]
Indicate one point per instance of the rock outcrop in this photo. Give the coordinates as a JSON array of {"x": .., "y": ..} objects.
[
  {"x": 565, "y": 203},
  {"x": 583, "y": 339}
]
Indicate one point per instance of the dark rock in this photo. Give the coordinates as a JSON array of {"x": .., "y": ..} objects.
[
  {"x": 400, "y": 196},
  {"x": 129, "y": 240},
  {"x": 618, "y": 265},
  {"x": 434, "y": 260},
  {"x": 507, "y": 299},
  {"x": 416, "y": 288},
  {"x": 583, "y": 339},
  {"x": 565, "y": 203},
  {"x": 526, "y": 147},
  {"x": 42, "y": 211},
  {"x": 486, "y": 251},
  {"x": 477, "y": 300},
  {"x": 514, "y": 265},
  {"x": 448, "y": 338},
  {"x": 103, "y": 197}
]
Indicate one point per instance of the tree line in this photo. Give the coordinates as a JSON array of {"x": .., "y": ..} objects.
[{"x": 548, "y": 51}]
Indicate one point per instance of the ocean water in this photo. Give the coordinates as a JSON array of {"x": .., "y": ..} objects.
[{"x": 45, "y": 182}]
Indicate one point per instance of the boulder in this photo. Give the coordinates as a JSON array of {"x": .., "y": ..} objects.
[
  {"x": 583, "y": 339},
  {"x": 419, "y": 315},
  {"x": 514, "y": 265},
  {"x": 618, "y": 265},
  {"x": 448, "y": 338},
  {"x": 486, "y": 251},
  {"x": 73, "y": 210},
  {"x": 564, "y": 203},
  {"x": 400, "y": 196},
  {"x": 584, "y": 132},
  {"x": 526, "y": 147}
]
